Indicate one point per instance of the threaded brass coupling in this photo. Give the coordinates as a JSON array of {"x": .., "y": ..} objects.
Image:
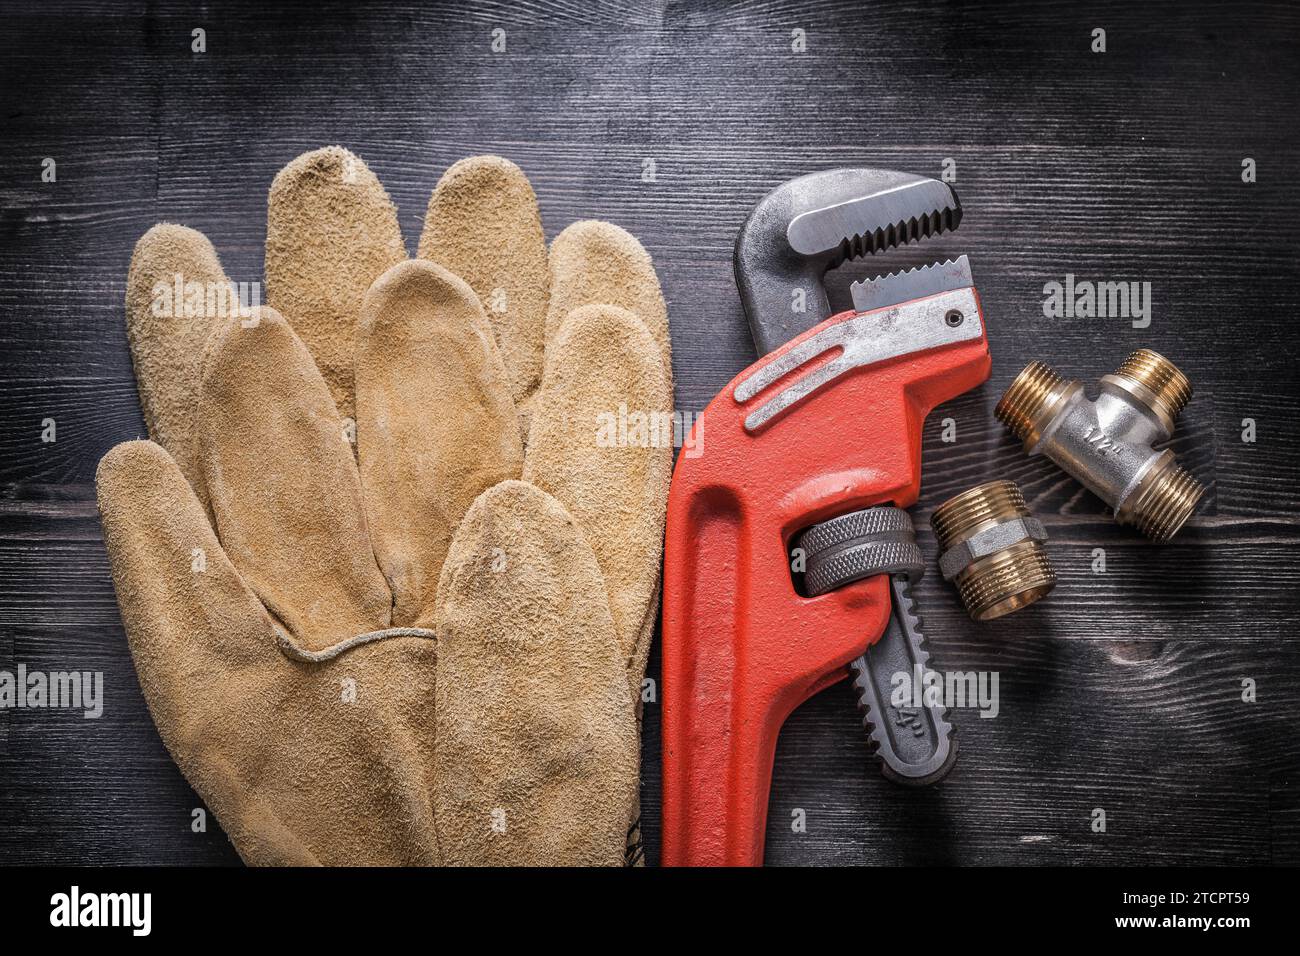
[
  {"x": 992, "y": 548},
  {"x": 1106, "y": 444}
]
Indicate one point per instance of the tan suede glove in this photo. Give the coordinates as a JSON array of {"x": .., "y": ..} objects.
[{"x": 286, "y": 598}]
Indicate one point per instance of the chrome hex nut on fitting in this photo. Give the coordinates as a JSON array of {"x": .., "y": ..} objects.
[
  {"x": 992, "y": 548},
  {"x": 1106, "y": 444}
]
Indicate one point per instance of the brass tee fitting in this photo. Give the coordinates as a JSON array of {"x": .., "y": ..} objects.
[{"x": 1106, "y": 443}]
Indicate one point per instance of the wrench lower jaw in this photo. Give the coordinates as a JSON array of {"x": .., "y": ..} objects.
[{"x": 913, "y": 739}]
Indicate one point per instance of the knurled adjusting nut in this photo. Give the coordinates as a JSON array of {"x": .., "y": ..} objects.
[
  {"x": 859, "y": 545},
  {"x": 991, "y": 540}
]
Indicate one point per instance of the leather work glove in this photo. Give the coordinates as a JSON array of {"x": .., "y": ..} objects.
[{"x": 290, "y": 598}]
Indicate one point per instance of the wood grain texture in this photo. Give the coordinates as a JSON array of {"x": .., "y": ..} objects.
[{"x": 1121, "y": 692}]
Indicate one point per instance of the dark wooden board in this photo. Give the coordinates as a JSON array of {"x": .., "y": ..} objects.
[{"x": 1121, "y": 692}]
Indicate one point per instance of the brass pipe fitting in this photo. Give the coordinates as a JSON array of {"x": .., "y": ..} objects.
[
  {"x": 1106, "y": 443},
  {"x": 992, "y": 548}
]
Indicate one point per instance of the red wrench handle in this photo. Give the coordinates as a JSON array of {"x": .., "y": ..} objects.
[{"x": 742, "y": 648}]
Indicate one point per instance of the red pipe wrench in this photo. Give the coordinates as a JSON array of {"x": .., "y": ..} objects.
[{"x": 817, "y": 444}]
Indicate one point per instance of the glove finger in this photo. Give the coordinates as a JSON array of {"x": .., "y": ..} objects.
[
  {"x": 176, "y": 293},
  {"x": 601, "y": 444},
  {"x": 200, "y": 639},
  {"x": 597, "y": 263},
  {"x": 483, "y": 224},
  {"x": 331, "y": 230},
  {"x": 175, "y": 584},
  {"x": 283, "y": 484},
  {"x": 536, "y": 743},
  {"x": 435, "y": 423}
]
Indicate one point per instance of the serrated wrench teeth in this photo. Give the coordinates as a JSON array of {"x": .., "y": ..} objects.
[
  {"x": 902, "y": 211},
  {"x": 896, "y": 288}
]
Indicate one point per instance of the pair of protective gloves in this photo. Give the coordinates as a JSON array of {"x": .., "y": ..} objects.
[{"x": 388, "y": 592}]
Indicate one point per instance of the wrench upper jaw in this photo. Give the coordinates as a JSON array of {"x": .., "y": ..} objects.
[
  {"x": 875, "y": 209},
  {"x": 816, "y": 222}
]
